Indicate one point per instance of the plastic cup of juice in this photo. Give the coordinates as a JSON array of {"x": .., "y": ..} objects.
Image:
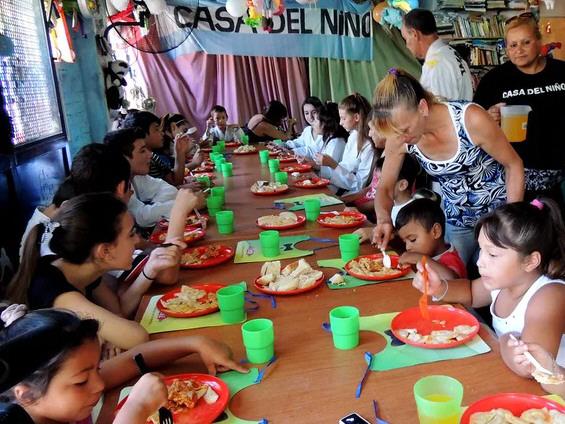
[
  {"x": 514, "y": 122},
  {"x": 438, "y": 399}
]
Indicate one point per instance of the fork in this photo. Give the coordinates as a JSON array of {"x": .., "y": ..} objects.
[
  {"x": 376, "y": 411},
  {"x": 165, "y": 415},
  {"x": 533, "y": 360}
]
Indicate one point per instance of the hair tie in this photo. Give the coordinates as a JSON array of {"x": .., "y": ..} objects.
[
  {"x": 393, "y": 71},
  {"x": 537, "y": 203},
  {"x": 12, "y": 313},
  {"x": 48, "y": 233}
]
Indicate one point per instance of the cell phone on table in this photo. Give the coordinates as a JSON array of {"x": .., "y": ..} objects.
[{"x": 353, "y": 418}]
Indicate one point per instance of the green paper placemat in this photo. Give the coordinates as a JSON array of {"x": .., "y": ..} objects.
[
  {"x": 155, "y": 321},
  {"x": 393, "y": 357},
  {"x": 235, "y": 381},
  {"x": 351, "y": 282},
  {"x": 325, "y": 200},
  {"x": 250, "y": 250}
]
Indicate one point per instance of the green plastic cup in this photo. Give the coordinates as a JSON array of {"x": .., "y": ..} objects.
[
  {"x": 344, "y": 322},
  {"x": 312, "y": 209},
  {"x": 259, "y": 340},
  {"x": 214, "y": 156},
  {"x": 219, "y": 191},
  {"x": 270, "y": 246},
  {"x": 244, "y": 139},
  {"x": 263, "y": 156},
  {"x": 222, "y": 145},
  {"x": 217, "y": 149},
  {"x": 281, "y": 177},
  {"x": 218, "y": 162},
  {"x": 224, "y": 221},
  {"x": 278, "y": 142},
  {"x": 231, "y": 300},
  {"x": 274, "y": 165},
  {"x": 204, "y": 180},
  {"x": 348, "y": 246},
  {"x": 214, "y": 204},
  {"x": 227, "y": 169},
  {"x": 438, "y": 399}
]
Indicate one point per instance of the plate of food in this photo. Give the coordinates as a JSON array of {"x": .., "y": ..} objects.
[
  {"x": 268, "y": 188},
  {"x": 191, "y": 234},
  {"x": 206, "y": 256},
  {"x": 192, "y": 398},
  {"x": 190, "y": 301},
  {"x": 301, "y": 168},
  {"x": 210, "y": 175},
  {"x": 313, "y": 182},
  {"x": 245, "y": 150},
  {"x": 206, "y": 149},
  {"x": 509, "y": 407},
  {"x": 282, "y": 221},
  {"x": 192, "y": 221},
  {"x": 233, "y": 143},
  {"x": 286, "y": 158},
  {"x": 447, "y": 327},
  {"x": 371, "y": 268},
  {"x": 202, "y": 169},
  {"x": 341, "y": 219},
  {"x": 295, "y": 278}
]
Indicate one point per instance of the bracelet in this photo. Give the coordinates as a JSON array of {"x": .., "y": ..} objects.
[
  {"x": 145, "y": 275},
  {"x": 438, "y": 298}
]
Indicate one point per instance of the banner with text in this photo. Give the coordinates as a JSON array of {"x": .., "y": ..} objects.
[{"x": 330, "y": 29}]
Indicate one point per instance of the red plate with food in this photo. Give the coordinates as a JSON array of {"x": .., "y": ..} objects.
[
  {"x": 191, "y": 221},
  {"x": 206, "y": 256},
  {"x": 302, "y": 167},
  {"x": 313, "y": 182},
  {"x": 210, "y": 175},
  {"x": 190, "y": 399},
  {"x": 281, "y": 224},
  {"x": 447, "y": 327},
  {"x": 341, "y": 219},
  {"x": 286, "y": 158},
  {"x": 203, "y": 168},
  {"x": 514, "y": 403},
  {"x": 262, "y": 289},
  {"x": 268, "y": 189},
  {"x": 206, "y": 149},
  {"x": 371, "y": 268},
  {"x": 190, "y": 301},
  {"x": 191, "y": 235},
  {"x": 233, "y": 144},
  {"x": 245, "y": 150}
]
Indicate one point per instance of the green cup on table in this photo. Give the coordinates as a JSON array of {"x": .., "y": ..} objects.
[
  {"x": 222, "y": 145},
  {"x": 224, "y": 221},
  {"x": 218, "y": 162},
  {"x": 274, "y": 165},
  {"x": 344, "y": 323},
  {"x": 270, "y": 243},
  {"x": 219, "y": 191},
  {"x": 263, "y": 156},
  {"x": 217, "y": 149},
  {"x": 227, "y": 169},
  {"x": 438, "y": 399},
  {"x": 312, "y": 208},
  {"x": 348, "y": 246},
  {"x": 244, "y": 139},
  {"x": 214, "y": 204},
  {"x": 204, "y": 180},
  {"x": 281, "y": 177},
  {"x": 214, "y": 156},
  {"x": 231, "y": 301},
  {"x": 278, "y": 142},
  {"x": 259, "y": 340}
]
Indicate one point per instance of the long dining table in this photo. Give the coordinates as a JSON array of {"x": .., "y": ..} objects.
[{"x": 311, "y": 381}]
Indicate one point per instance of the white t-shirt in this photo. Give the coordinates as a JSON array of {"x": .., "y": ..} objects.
[
  {"x": 305, "y": 140},
  {"x": 153, "y": 198},
  {"x": 516, "y": 320},
  {"x": 396, "y": 208},
  {"x": 231, "y": 133},
  {"x": 445, "y": 73},
  {"x": 333, "y": 148},
  {"x": 355, "y": 167}
]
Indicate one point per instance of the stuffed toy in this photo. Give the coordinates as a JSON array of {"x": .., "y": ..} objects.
[{"x": 115, "y": 83}]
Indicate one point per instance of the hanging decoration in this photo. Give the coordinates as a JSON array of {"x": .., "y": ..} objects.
[
  {"x": 236, "y": 8},
  {"x": 115, "y": 83},
  {"x": 378, "y": 10},
  {"x": 392, "y": 15},
  {"x": 261, "y": 12}
]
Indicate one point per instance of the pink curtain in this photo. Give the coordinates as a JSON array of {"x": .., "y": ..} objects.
[{"x": 192, "y": 84}]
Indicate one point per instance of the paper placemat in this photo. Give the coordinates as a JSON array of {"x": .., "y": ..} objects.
[
  {"x": 396, "y": 354},
  {"x": 350, "y": 281},
  {"x": 325, "y": 200},
  {"x": 250, "y": 250},
  {"x": 155, "y": 321},
  {"x": 236, "y": 382}
]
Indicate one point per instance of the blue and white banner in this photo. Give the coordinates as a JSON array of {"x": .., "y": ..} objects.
[{"x": 337, "y": 29}]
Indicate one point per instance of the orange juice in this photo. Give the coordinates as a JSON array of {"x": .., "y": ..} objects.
[
  {"x": 514, "y": 122},
  {"x": 449, "y": 419}
]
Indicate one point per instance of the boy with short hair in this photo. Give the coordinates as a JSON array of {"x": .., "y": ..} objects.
[
  {"x": 421, "y": 225},
  {"x": 218, "y": 127}
]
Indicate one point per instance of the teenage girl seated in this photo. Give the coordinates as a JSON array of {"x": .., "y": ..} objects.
[{"x": 267, "y": 126}]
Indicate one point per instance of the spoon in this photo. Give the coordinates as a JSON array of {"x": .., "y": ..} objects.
[
  {"x": 533, "y": 360},
  {"x": 386, "y": 259}
]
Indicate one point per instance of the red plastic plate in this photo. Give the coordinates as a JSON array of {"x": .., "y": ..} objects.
[
  {"x": 262, "y": 289},
  {"x": 233, "y": 144},
  {"x": 300, "y": 222},
  {"x": 225, "y": 254},
  {"x": 287, "y": 159},
  {"x": 203, "y": 169},
  {"x": 359, "y": 219},
  {"x": 209, "y": 288},
  {"x": 514, "y": 402},
  {"x": 192, "y": 221},
  {"x": 393, "y": 258},
  {"x": 202, "y": 413},
  {"x": 270, "y": 193},
  {"x": 196, "y": 234},
  {"x": 317, "y": 183},
  {"x": 302, "y": 167},
  {"x": 206, "y": 149},
  {"x": 245, "y": 153},
  {"x": 412, "y": 318}
]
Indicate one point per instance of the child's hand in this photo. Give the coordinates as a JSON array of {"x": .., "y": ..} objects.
[
  {"x": 325, "y": 160},
  {"x": 435, "y": 285},
  {"x": 163, "y": 258},
  {"x": 217, "y": 356},
  {"x": 186, "y": 199},
  {"x": 148, "y": 394},
  {"x": 182, "y": 146},
  {"x": 364, "y": 234},
  {"x": 210, "y": 122},
  {"x": 409, "y": 258},
  {"x": 518, "y": 347}
]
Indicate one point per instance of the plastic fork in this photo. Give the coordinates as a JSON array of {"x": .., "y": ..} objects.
[
  {"x": 369, "y": 360},
  {"x": 423, "y": 302},
  {"x": 200, "y": 219},
  {"x": 386, "y": 259},
  {"x": 376, "y": 411},
  {"x": 533, "y": 360},
  {"x": 165, "y": 415}
]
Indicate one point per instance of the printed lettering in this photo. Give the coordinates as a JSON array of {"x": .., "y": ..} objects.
[
  {"x": 292, "y": 20},
  {"x": 303, "y": 29},
  {"x": 222, "y": 15},
  {"x": 329, "y": 21}
]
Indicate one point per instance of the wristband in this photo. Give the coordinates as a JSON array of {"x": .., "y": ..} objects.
[
  {"x": 438, "y": 298},
  {"x": 145, "y": 275}
]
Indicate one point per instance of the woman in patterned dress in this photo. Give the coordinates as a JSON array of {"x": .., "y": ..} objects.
[{"x": 457, "y": 144}]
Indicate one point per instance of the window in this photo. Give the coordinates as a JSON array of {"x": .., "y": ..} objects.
[{"x": 26, "y": 76}]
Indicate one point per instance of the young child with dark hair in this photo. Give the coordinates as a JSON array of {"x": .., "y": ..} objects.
[
  {"x": 421, "y": 226},
  {"x": 217, "y": 127}
]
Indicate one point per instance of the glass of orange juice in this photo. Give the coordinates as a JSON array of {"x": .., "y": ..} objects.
[
  {"x": 438, "y": 399},
  {"x": 514, "y": 122}
]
